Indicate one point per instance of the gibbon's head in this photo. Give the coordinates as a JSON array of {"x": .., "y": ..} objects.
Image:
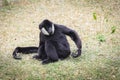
[{"x": 47, "y": 27}]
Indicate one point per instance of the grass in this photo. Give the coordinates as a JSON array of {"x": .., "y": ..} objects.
[{"x": 96, "y": 22}]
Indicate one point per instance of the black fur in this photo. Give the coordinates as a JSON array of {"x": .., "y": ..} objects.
[
  {"x": 25, "y": 50},
  {"x": 53, "y": 47}
]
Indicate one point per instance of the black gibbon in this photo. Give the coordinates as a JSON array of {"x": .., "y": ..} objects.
[{"x": 53, "y": 44}]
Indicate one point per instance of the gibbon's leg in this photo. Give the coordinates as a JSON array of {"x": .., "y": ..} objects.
[
  {"x": 63, "y": 50},
  {"x": 64, "y": 54},
  {"x": 41, "y": 53},
  {"x": 50, "y": 50}
]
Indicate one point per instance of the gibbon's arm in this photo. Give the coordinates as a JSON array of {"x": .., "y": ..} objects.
[
  {"x": 24, "y": 50},
  {"x": 74, "y": 36}
]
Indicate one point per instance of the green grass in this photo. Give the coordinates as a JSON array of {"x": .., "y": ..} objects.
[{"x": 100, "y": 59}]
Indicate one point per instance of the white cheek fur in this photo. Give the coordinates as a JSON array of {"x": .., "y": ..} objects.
[
  {"x": 53, "y": 28},
  {"x": 44, "y": 31}
]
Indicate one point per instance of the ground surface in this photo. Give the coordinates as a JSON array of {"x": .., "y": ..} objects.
[{"x": 96, "y": 21}]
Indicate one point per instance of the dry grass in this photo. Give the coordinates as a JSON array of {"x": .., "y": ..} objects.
[{"x": 99, "y": 61}]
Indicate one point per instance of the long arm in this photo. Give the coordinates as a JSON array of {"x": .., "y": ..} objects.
[
  {"x": 74, "y": 36},
  {"x": 24, "y": 50}
]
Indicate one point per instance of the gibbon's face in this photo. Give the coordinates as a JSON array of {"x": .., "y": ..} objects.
[{"x": 47, "y": 28}]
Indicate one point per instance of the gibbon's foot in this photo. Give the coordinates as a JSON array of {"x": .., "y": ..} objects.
[
  {"x": 46, "y": 61},
  {"x": 36, "y": 57}
]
